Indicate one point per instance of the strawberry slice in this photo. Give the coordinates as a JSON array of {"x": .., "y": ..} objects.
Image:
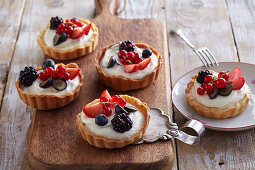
[
  {"x": 93, "y": 110},
  {"x": 131, "y": 68},
  {"x": 237, "y": 84},
  {"x": 77, "y": 33},
  {"x": 73, "y": 72},
  {"x": 235, "y": 74},
  {"x": 86, "y": 29},
  {"x": 106, "y": 94},
  {"x": 144, "y": 63}
]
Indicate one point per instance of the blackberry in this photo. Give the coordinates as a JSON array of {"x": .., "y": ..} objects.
[
  {"x": 127, "y": 46},
  {"x": 201, "y": 76},
  {"x": 121, "y": 123},
  {"x": 54, "y": 22},
  {"x": 28, "y": 76}
]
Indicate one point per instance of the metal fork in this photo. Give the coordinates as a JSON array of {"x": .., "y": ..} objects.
[{"x": 203, "y": 54}]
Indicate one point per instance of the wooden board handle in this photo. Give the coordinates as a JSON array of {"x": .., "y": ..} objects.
[{"x": 106, "y": 7}]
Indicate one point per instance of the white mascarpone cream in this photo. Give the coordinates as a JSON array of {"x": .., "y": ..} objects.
[
  {"x": 69, "y": 43},
  {"x": 107, "y": 130},
  {"x": 36, "y": 89},
  {"x": 221, "y": 102},
  {"x": 119, "y": 70}
]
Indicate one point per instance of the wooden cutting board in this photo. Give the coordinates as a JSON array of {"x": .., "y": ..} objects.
[{"x": 56, "y": 142}]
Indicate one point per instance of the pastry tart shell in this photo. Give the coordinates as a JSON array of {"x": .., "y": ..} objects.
[
  {"x": 103, "y": 142},
  {"x": 214, "y": 111},
  {"x": 120, "y": 83},
  {"x": 50, "y": 101},
  {"x": 70, "y": 53}
]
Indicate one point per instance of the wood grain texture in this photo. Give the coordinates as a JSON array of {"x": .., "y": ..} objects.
[
  {"x": 15, "y": 116},
  {"x": 55, "y": 139},
  {"x": 206, "y": 23}
]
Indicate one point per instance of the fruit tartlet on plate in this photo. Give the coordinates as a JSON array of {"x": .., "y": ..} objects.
[
  {"x": 128, "y": 66},
  {"x": 66, "y": 39},
  {"x": 49, "y": 86},
  {"x": 113, "y": 122},
  {"x": 218, "y": 95}
]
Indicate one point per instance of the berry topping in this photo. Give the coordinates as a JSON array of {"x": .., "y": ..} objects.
[
  {"x": 86, "y": 29},
  {"x": 214, "y": 93},
  {"x": 131, "y": 68},
  {"x": 115, "y": 98},
  {"x": 74, "y": 20},
  {"x": 122, "y": 54},
  {"x": 200, "y": 91},
  {"x": 48, "y": 63},
  {"x": 42, "y": 76},
  {"x": 226, "y": 90},
  {"x": 107, "y": 111},
  {"x": 111, "y": 62},
  {"x": 224, "y": 75},
  {"x": 69, "y": 30},
  {"x": 73, "y": 72},
  {"x": 209, "y": 88},
  {"x": 127, "y": 46},
  {"x": 144, "y": 63},
  {"x": 121, "y": 123},
  {"x": 77, "y": 33},
  {"x": 220, "y": 83},
  {"x": 101, "y": 120},
  {"x": 28, "y": 76},
  {"x": 121, "y": 101},
  {"x": 146, "y": 53},
  {"x": 130, "y": 56},
  {"x": 59, "y": 84},
  {"x": 65, "y": 76},
  {"x": 47, "y": 83},
  {"x": 106, "y": 94},
  {"x": 201, "y": 76},
  {"x": 235, "y": 74},
  {"x": 208, "y": 78},
  {"x": 79, "y": 24},
  {"x": 237, "y": 84},
  {"x": 119, "y": 110},
  {"x": 104, "y": 99},
  {"x": 54, "y": 22},
  {"x": 59, "y": 38},
  {"x": 48, "y": 71},
  {"x": 93, "y": 110}
]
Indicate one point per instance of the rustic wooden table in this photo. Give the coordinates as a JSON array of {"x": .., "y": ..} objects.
[{"x": 224, "y": 26}]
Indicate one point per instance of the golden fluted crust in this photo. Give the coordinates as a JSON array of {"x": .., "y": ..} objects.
[
  {"x": 214, "y": 111},
  {"x": 121, "y": 83},
  {"x": 73, "y": 53},
  {"x": 50, "y": 101},
  {"x": 103, "y": 142}
]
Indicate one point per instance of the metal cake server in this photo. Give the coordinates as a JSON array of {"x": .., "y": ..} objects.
[{"x": 162, "y": 128}]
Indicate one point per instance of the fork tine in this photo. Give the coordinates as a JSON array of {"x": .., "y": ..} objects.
[
  {"x": 200, "y": 58},
  {"x": 212, "y": 56},
  {"x": 203, "y": 56},
  {"x": 208, "y": 57}
]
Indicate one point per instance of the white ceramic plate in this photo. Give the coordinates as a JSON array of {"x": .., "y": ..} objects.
[{"x": 245, "y": 120}]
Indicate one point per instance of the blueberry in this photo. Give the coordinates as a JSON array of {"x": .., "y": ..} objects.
[
  {"x": 146, "y": 53},
  {"x": 48, "y": 63},
  {"x": 101, "y": 120}
]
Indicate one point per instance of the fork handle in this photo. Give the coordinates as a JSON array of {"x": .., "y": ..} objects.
[{"x": 183, "y": 37}]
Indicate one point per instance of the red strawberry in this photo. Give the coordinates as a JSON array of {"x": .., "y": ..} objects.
[
  {"x": 131, "y": 68},
  {"x": 235, "y": 74},
  {"x": 106, "y": 94},
  {"x": 93, "y": 110},
  {"x": 73, "y": 72},
  {"x": 237, "y": 84},
  {"x": 144, "y": 63},
  {"x": 77, "y": 33},
  {"x": 86, "y": 29}
]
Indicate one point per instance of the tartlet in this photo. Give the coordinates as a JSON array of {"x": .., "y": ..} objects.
[
  {"x": 50, "y": 101},
  {"x": 121, "y": 83},
  {"x": 70, "y": 53},
  {"x": 232, "y": 110},
  {"x": 101, "y": 141}
]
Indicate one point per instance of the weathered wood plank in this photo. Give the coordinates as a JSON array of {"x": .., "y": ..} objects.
[
  {"x": 242, "y": 17},
  {"x": 15, "y": 115},
  {"x": 206, "y": 23},
  {"x": 10, "y": 18}
]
